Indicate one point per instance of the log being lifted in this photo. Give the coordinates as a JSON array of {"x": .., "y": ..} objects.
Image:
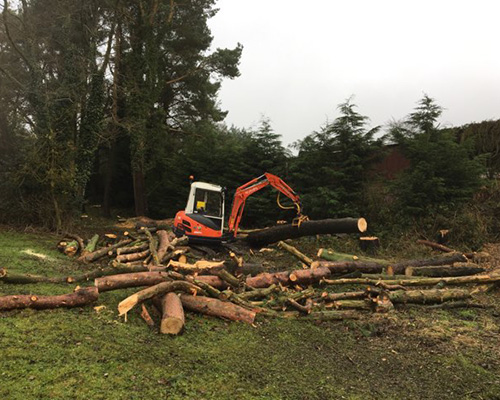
[
  {"x": 307, "y": 228},
  {"x": 78, "y": 298},
  {"x": 172, "y": 320},
  {"x": 217, "y": 308}
]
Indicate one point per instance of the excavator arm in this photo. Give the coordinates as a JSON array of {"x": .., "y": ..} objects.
[{"x": 253, "y": 186}]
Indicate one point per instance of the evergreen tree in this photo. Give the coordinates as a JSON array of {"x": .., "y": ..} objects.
[
  {"x": 443, "y": 172},
  {"x": 332, "y": 164}
]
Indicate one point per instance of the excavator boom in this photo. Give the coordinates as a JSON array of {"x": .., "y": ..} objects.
[{"x": 249, "y": 188}]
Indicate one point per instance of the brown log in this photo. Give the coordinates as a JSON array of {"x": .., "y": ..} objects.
[
  {"x": 309, "y": 276},
  {"x": 136, "y": 279},
  {"x": 369, "y": 244},
  {"x": 217, "y": 308},
  {"x": 163, "y": 243},
  {"x": 428, "y": 296},
  {"x": 150, "y": 292},
  {"x": 292, "y": 250},
  {"x": 199, "y": 267},
  {"x": 492, "y": 277},
  {"x": 307, "y": 228},
  {"x": 13, "y": 278},
  {"x": 90, "y": 257},
  {"x": 319, "y": 315},
  {"x": 445, "y": 270},
  {"x": 132, "y": 249},
  {"x": 400, "y": 267},
  {"x": 172, "y": 321},
  {"x": 343, "y": 296},
  {"x": 267, "y": 279},
  {"x": 124, "y": 258},
  {"x": 343, "y": 267},
  {"x": 78, "y": 298}
]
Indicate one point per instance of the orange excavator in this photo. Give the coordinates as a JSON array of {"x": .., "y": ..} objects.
[{"x": 202, "y": 221}]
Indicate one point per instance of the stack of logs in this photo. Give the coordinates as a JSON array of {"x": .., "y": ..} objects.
[{"x": 157, "y": 261}]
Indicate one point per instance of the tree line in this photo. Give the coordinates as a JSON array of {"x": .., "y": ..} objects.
[{"x": 115, "y": 103}]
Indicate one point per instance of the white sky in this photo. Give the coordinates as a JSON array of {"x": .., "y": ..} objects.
[{"x": 302, "y": 58}]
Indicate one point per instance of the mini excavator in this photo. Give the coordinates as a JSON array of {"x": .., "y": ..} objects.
[{"x": 202, "y": 221}]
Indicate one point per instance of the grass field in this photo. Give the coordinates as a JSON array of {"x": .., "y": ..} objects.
[{"x": 414, "y": 353}]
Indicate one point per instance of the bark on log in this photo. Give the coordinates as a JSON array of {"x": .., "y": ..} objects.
[
  {"x": 369, "y": 244},
  {"x": 319, "y": 315},
  {"x": 172, "y": 321},
  {"x": 90, "y": 257},
  {"x": 267, "y": 279},
  {"x": 146, "y": 316},
  {"x": 163, "y": 243},
  {"x": 428, "y": 296},
  {"x": 217, "y": 308},
  {"x": 399, "y": 268},
  {"x": 444, "y": 270},
  {"x": 343, "y": 267},
  {"x": 292, "y": 250},
  {"x": 307, "y": 228},
  {"x": 13, "y": 278},
  {"x": 161, "y": 288},
  {"x": 124, "y": 258},
  {"x": 436, "y": 246},
  {"x": 132, "y": 249},
  {"x": 78, "y": 298},
  {"x": 492, "y": 277},
  {"x": 137, "y": 279},
  {"x": 343, "y": 296},
  {"x": 198, "y": 267},
  {"x": 334, "y": 256},
  {"x": 309, "y": 276}
]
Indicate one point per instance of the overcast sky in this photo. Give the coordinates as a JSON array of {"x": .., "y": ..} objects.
[{"x": 302, "y": 58}]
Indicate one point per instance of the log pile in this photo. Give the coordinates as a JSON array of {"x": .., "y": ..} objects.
[{"x": 175, "y": 278}]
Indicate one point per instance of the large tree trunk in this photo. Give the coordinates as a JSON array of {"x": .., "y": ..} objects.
[
  {"x": 217, "y": 308},
  {"x": 307, "y": 228},
  {"x": 78, "y": 298},
  {"x": 172, "y": 320},
  {"x": 141, "y": 205}
]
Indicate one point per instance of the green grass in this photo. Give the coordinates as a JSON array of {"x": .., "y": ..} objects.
[{"x": 85, "y": 354}]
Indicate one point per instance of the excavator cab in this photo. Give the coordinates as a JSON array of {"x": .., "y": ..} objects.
[
  {"x": 203, "y": 218},
  {"x": 202, "y": 221}
]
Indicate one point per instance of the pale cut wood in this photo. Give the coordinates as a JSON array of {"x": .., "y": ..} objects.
[
  {"x": 150, "y": 292},
  {"x": 172, "y": 321},
  {"x": 200, "y": 266}
]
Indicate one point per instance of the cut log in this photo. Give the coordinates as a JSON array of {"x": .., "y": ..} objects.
[
  {"x": 307, "y": 228},
  {"x": 319, "y": 315},
  {"x": 267, "y": 279},
  {"x": 292, "y": 250},
  {"x": 71, "y": 248},
  {"x": 161, "y": 288},
  {"x": 199, "y": 267},
  {"x": 153, "y": 247},
  {"x": 343, "y": 296},
  {"x": 334, "y": 256},
  {"x": 344, "y": 267},
  {"x": 436, "y": 246},
  {"x": 445, "y": 270},
  {"x": 90, "y": 257},
  {"x": 172, "y": 321},
  {"x": 399, "y": 268},
  {"x": 132, "y": 249},
  {"x": 136, "y": 279},
  {"x": 163, "y": 243},
  {"x": 428, "y": 296},
  {"x": 492, "y": 277},
  {"x": 124, "y": 258},
  {"x": 91, "y": 245},
  {"x": 217, "y": 308},
  {"x": 78, "y": 298}
]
